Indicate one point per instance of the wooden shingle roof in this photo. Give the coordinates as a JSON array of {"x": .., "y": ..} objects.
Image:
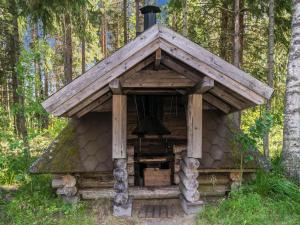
[{"x": 234, "y": 87}]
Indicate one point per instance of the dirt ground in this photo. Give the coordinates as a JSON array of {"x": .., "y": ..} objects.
[{"x": 102, "y": 212}]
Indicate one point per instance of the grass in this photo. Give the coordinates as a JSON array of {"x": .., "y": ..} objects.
[
  {"x": 269, "y": 200},
  {"x": 35, "y": 203}
]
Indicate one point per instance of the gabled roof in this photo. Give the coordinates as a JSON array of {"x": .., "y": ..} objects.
[{"x": 88, "y": 90}]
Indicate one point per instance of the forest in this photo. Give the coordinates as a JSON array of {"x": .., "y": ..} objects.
[{"x": 47, "y": 44}]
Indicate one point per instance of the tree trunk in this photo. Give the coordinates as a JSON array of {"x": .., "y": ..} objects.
[
  {"x": 125, "y": 21},
  {"x": 291, "y": 135},
  {"x": 185, "y": 19},
  {"x": 224, "y": 40},
  {"x": 67, "y": 48},
  {"x": 242, "y": 31},
  {"x": 236, "y": 41},
  {"x": 270, "y": 68},
  {"x": 236, "y": 50},
  {"x": 17, "y": 82},
  {"x": 83, "y": 41},
  {"x": 137, "y": 17},
  {"x": 45, "y": 118},
  {"x": 103, "y": 34}
]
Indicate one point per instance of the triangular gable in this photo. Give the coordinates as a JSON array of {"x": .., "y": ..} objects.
[{"x": 89, "y": 87}]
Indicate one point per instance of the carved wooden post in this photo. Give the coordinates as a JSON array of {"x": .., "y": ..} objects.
[
  {"x": 122, "y": 203},
  {"x": 190, "y": 163}
]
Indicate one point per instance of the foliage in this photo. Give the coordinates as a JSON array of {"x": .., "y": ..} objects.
[
  {"x": 270, "y": 199},
  {"x": 35, "y": 203},
  {"x": 248, "y": 140}
]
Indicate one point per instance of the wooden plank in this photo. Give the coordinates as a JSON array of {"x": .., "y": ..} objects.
[
  {"x": 94, "y": 183},
  {"x": 194, "y": 126},
  {"x": 211, "y": 72},
  {"x": 100, "y": 69},
  {"x": 137, "y": 193},
  {"x": 102, "y": 100},
  {"x": 119, "y": 129},
  {"x": 154, "y": 193},
  {"x": 80, "y": 107},
  {"x": 127, "y": 74},
  {"x": 226, "y": 170},
  {"x": 91, "y": 92},
  {"x": 203, "y": 86},
  {"x": 105, "y": 107},
  {"x": 170, "y": 63},
  {"x": 215, "y": 62},
  {"x": 213, "y": 179},
  {"x": 157, "y": 79},
  {"x": 151, "y": 92},
  {"x": 141, "y": 65},
  {"x": 157, "y": 59},
  {"x": 217, "y": 103},
  {"x": 115, "y": 87},
  {"x": 220, "y": 93}
]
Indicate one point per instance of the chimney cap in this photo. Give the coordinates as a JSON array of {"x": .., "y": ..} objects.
[{"x": 150, "y": 9}]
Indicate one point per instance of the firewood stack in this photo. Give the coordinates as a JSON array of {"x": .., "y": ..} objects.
[
  {"x": 66, "y": 188},
  {"x": 122, "y": 202},
  {"x": 178, "y": 151},
  {"x": 130, "y": 165},
  {"x": 189, "y": 185}
]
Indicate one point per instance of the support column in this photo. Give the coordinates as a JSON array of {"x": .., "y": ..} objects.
[
  {"x": 190, "y": 163},
  {"x": 122, "y": 205}
]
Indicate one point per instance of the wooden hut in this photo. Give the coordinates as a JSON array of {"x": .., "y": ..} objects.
[{"x": 150, "y": 121}]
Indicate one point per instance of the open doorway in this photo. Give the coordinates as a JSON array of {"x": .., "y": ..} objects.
[{"x": 153, "y": 138}]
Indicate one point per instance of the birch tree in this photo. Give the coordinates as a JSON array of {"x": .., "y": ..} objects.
[{"x": 291, "y": 136}]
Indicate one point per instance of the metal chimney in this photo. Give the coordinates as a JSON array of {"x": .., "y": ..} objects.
[{"x": 149, "y": 12}]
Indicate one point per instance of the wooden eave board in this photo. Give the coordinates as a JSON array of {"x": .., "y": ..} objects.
[
  {"x": 90, "y": 86},
  {"x": 215, "y": 62},
  {"x": 61, "y": 101},
  {"x": 157, "y": 79}
]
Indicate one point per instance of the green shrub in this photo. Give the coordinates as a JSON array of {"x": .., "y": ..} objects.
[
  {"x": 270, "y": 199},
  {"x": 36, "y": 203}
]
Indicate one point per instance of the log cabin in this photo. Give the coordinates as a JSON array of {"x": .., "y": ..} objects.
[{"x": 153, "y": 120}]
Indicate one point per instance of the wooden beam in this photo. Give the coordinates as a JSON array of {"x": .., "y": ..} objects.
[
  {"x": 194, "y": 126},
  {"x": 119, "y": 126},
  {"x": 157, "y": 59},
  {"x": 172, "y": 64},
  {"x": 203, "y": 86},
  {"x": 214, "y": 62},
  {"x": 87, "y": 103},
  {"x": 211, "y": 72},
  {"x": 220, "y": 93},
  {"x": 151, "y": 92},
  {"x": 157, "y": 79},
  {"x": 90, "y": 93},
  {"x": 102, "y": 100},
  {"x": 102, "y": 71},
  {"x": 105, "y": 107},
  {"x": 116, "y": 87},
  {"x": 106, "y": 89},
  {"x": 135, "y": 192},
  {"x": 214, "y": 101}
]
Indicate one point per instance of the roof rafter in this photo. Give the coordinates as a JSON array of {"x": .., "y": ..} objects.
[{"x": 81, "y": 93}]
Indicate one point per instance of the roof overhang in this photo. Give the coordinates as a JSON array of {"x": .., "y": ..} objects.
[{"x": 233, "y": 88}]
